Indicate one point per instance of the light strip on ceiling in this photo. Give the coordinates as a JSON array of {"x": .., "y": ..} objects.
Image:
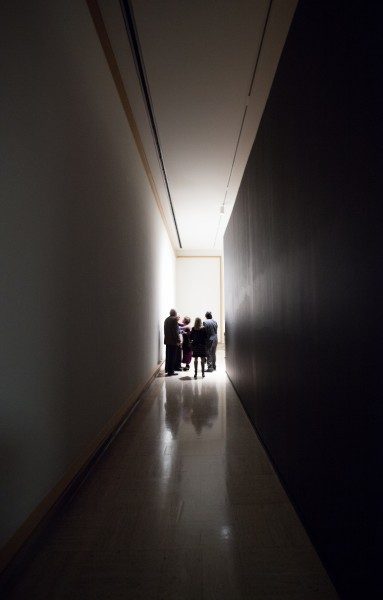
[
  {"x": 243, "y": 119},
  {"x": 106, "y": 45},
  {"x": 131, "y": 29}
]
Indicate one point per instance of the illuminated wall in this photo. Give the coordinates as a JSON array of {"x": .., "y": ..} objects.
[
  {"x": 199, "y": 288},
  {"x": 88, "y": 272}
]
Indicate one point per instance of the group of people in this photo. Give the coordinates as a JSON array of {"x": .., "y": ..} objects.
[{"x": 184, "y": 343}]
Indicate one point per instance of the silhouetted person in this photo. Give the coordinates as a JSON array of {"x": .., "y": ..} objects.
[
  {"x": 186, "y": 343},
  {"x": 178, "y": 366},
  {"x": 172, "y": 341},
  {"x": 198, "y": 339},
  {"x": 211, "y": 327}
]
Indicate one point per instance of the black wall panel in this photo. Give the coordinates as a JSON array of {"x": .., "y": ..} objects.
[{"x": 303, "y": 252}]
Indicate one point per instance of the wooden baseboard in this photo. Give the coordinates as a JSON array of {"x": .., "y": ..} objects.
[{"x": 72, "y": 478}]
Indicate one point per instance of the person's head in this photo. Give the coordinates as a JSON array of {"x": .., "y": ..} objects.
[
  {"x": 197, "y": 323},
  {"x": 186, "y": 320},
  {"x": 208, "y": 315},
  {"x": 173, "y": 312}
]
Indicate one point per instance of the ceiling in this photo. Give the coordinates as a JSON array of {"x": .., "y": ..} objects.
[{"x": 198, "y": 77}]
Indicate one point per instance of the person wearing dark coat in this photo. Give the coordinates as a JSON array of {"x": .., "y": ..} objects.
[
  {"x": 187, "y": 351},
  {"x": 211, "y": 327},
  {"x": 178, "y": 366},
  {"x": 198, "y": 338},
  {"x": 172, "y": 341}
]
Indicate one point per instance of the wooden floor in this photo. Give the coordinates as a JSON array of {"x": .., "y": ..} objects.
[{"x": 184, "y": 504}]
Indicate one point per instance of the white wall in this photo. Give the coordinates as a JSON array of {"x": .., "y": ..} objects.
[
  {"x": 88, "y": 273},
  {"x": 198, "y": 287}
]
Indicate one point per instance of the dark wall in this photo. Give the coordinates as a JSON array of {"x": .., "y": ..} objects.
[{"x": 303, "y": 284}]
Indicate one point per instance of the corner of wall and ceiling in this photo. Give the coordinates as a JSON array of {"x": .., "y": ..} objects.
[{"x": 111, "y": 60}]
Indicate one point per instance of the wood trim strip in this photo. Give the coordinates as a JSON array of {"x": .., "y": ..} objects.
[
  {"x": 222, "y": 303},
  {"x": 54, "y": 499},
  {"x": 106, "y": 45}
]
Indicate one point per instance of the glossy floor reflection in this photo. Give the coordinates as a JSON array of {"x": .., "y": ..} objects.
[{"x": 184, "y": 504}]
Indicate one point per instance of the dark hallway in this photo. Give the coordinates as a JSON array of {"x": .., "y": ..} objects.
[
  {"x": 153, "y": 148},
  {"x": 183, "y": 504}
]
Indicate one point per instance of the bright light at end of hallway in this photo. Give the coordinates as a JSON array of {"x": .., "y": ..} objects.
[{"x": 198, "y": 287}]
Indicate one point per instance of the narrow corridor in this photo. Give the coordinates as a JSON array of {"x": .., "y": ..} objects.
[{"x": 183, "y": 504}]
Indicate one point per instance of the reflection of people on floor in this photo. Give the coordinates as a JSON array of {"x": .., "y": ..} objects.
[
  {"x": 198, "y": 339},
  {"x": 199, "y": 408},
  {"x": 211, "y": 327},
  {"x": 187, "y": 395},
  {"x": 173, "y": 407}
]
